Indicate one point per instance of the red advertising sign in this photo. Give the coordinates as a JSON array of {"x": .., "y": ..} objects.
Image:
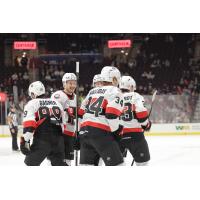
[
  {"x": 119, "y": 43},
  {"x": 3, "y": 97},
  {"x": 25, "y": 45}
]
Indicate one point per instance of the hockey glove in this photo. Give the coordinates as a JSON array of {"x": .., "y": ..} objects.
[
  {"x": 147, "y": 127},
  {"x": 71, "y": 111},
  {"x": 24, "y": 146},
  {"x": 117, "y": 134},
  {"x": 71, "y": 120}
]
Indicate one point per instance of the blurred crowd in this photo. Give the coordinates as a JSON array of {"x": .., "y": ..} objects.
[{"x": 164, "y": 62}]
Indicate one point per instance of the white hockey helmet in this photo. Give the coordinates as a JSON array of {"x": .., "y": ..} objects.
[
  {"x": 127, "y": 82},
  {"x": 68, "y": 77},
  {"x": 37, "y": 88},
  {"x": 109, "y": 72},
  {"x": 97, "y": 78}
]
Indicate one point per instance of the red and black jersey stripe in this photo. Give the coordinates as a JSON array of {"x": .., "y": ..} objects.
[
  {"x": 112, "y": 113},
  {"x": 96, "y": 125},
  {"x": 142, "y": 116}
]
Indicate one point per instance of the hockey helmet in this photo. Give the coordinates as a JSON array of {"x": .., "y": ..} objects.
[
  {"x": 127, "y": 82},
  {"x": 68, "y": 77},
  {"x": 37, "y": 88},
  {"x": 108, "y": 73}
]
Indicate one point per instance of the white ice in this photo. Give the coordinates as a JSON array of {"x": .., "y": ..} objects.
[{"x": 165, "y": 151}]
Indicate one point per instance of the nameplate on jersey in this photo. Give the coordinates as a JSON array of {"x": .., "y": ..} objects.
[
  {"x": 47, "y": 102},
  {"x": 98, "y": 91},
  {"x": 127, "y": 98}
]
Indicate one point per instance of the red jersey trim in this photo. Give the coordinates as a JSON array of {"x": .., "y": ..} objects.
[
  {"x": 113, "y": 111},
  {"x": 36, "y": 115},
  {"x": 128, "y": 130},
  {"x": 104, "y": 104},
  {"x": 72, "y": 134},
  {"x": 96, "y": 125},
  {"x": 30, "y": 123},
  {"x": 142, "y": 114},
  {"x": 40, "y": 121}
]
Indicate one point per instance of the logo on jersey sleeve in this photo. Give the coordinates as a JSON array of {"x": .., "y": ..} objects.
[{"x": 57, "y": 96}]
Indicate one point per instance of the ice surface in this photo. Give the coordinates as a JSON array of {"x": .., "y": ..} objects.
[{"x": 165, "y": 151}]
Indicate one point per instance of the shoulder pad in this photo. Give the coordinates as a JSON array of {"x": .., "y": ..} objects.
[
  {"x": 139, "y": 97},
  {"x": 32, "y": 103}
]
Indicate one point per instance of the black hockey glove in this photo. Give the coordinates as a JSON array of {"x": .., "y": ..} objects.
[
  {"x": 147, "y": 127},
  {"x": 24, "y": 146},
  {"x": 70, "y": 120},
  {"x": 117, "y": 133}
]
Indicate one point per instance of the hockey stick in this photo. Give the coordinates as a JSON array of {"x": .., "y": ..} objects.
[
  {"x": 152, "y": 102},
  {"x": 77, "y": 97}
]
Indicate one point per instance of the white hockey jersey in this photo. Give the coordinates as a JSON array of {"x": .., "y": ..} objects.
[
  {"x": 102, "y": 107},
  {"x": 66, "y": 101},
  {"x": 36, "y": 111},
  {"x": 134, "y": 113}
]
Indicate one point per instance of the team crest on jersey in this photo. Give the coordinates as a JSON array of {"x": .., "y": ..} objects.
[{"x": 57, "y": 96}]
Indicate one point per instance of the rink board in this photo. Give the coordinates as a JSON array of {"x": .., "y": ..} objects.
[
  {"x": 156, "y": 129},
  {"x": 5, "y": 131},
  {"x": 175, "y": 129}
]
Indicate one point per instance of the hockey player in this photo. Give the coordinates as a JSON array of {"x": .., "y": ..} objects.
[
  {"x": 67, "y": 98},
  {"x": 103, "y": 106},
  {"x": 43, "y": 121},
  {"x": 135, "y": 121},
  {"x": 97, "y": 82}
]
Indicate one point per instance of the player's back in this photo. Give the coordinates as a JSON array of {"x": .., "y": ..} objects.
[
  {"x": 45, "y": 116},
  {"x": 99, "y": 103},
  {"x": 134, "y": 112}
]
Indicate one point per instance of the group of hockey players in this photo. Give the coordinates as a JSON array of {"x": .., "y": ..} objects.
[{"x": 112, "y": 119}]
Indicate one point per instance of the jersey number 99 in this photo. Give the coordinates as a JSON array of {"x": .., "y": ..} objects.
[{"x": 54, "y": 112}]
